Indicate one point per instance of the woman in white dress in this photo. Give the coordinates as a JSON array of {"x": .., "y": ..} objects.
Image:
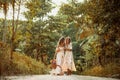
[
  {"x": 68, "y": 64},
  {"x": 59, "y": 56}
]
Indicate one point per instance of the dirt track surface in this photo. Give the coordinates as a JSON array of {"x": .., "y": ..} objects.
[{"x": 53, "y": 77}]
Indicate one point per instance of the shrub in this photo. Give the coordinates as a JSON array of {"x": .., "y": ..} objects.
[{"x": 20, "y": 64}]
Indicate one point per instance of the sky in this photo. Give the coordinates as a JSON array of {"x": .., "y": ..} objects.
[
  {"x": 57, "y": 4},
  {"x": 23, "y": 9}
]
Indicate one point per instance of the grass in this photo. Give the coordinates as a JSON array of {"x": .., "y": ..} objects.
[
  {"x": 109, "y": 70},
  {"x": 21, "y": 64}
]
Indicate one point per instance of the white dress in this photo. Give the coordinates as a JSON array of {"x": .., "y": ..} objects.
[
  {"x": 59, "y": 61},
  {"x": 68, "y": 60}
]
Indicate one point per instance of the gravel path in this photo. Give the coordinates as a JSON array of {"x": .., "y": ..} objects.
[{"x": 51, "y": 77}]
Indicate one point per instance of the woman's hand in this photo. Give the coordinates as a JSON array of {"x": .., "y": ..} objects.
[
  {"x": 68, "y": 49},
  {"x": 64, "y": 49},
  {"x": 58, "y": 50}
]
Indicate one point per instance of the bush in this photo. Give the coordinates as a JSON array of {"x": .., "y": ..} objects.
[
  {"x": 20, "y": 64},
  {"x": 107, "y": 71}
]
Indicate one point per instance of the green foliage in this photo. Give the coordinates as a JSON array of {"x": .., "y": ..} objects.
[
  {"x": 38, "y": 8},
  {"x": 21, "y": 64},
  {"x": 92, "y": 25},
  {"x": 94, "y": 22},
  {"x": 105, "y": 11},
  {"x": 108, "y": 71}
]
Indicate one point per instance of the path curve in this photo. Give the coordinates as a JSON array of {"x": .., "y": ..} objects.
[{"x": 51, "y": 77}]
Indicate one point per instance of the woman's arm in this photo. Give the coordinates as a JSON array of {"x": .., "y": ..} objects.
[
  {"x": 57, "y": 50},
  {"x": 67, "y": 49}
]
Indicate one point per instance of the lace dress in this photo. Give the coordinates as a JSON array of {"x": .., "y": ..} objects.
[
  {"x": 59, "y": 61},
  {"x": 68, "y": 60}
]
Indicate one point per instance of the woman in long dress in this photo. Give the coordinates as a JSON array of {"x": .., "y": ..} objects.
[
  {"x": 59, "y": 56},
  {"x": 68, "y": 64}
]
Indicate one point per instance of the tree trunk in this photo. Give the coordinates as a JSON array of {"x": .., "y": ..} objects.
[
  {"x": 13, "y": 30},
  {"x": 18, "y": 15},
  {"x": 5, "y": 5},
  {"x": 4, "y": 30},
  {"x": 37, "y": 56}
]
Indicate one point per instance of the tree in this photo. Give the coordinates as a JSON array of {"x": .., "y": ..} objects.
[
  {"x": 38, "y": 28},
  {"x": 95, "y": 17},
  {"x": 4, "y": 4},
  {"x": 105, "y": 17}
]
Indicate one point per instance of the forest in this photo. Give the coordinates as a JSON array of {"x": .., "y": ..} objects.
[{"x": 27, "y": 46}]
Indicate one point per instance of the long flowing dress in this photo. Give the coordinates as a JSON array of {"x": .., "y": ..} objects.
[
  {"x": 68, "y": 60},
  {"x": 59, "y": 61}
]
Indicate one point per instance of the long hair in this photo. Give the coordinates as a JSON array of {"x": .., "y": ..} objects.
[
  {"x": 60, "y": 41},
  {"x": 68, "y": 39}
]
